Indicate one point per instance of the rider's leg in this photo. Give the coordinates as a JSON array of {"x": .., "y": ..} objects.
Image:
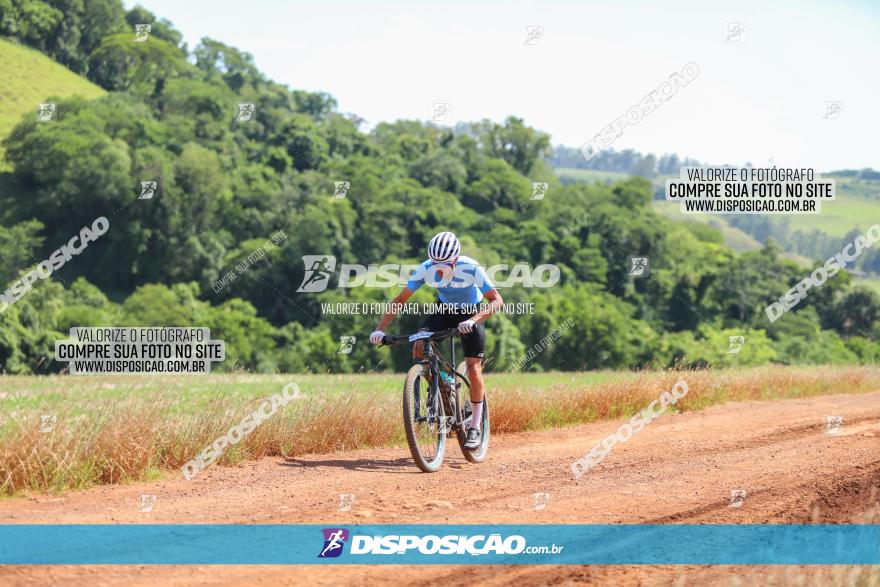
[
  {"x": 474, "y": 345},
  {"x": 475, "y": 376}
]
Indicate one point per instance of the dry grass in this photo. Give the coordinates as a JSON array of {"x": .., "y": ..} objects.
[
  {"x": 559, "y": 405},
  {"x": 134, "y": 436},
  {"x": 129, "y": 440}
]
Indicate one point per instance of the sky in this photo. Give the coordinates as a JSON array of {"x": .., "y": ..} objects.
[{"x": 760, "y": 96}]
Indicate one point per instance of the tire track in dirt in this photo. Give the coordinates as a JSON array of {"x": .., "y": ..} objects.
[{"x": 680, "y": 468}]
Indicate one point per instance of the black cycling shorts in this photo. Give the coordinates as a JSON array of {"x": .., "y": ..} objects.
[{"x": 474, "y": 343}]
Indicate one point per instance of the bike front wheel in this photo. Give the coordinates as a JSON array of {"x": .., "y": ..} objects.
[{"x": 423, "y": 420}]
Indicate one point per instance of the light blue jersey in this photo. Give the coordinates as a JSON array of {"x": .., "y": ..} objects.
[{"x": 467, "y": 285}]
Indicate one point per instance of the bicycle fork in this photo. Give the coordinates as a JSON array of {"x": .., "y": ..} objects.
[
  {"x": 431, "y": 401},
  {"x": 432, "y": 404}
]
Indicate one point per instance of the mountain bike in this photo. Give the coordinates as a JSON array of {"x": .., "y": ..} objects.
[{"x": 434, "y": 407}]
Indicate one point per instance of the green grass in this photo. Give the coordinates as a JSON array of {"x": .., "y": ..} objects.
[
  {"x": 28, "y": 78},
  {"x": 50, "y": 394},
  {"x": 857, "y": 206}
]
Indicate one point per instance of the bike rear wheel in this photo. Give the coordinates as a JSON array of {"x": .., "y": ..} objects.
[
  {"x": 423, "y": 420},
  {"x": 463, "y": 401}
]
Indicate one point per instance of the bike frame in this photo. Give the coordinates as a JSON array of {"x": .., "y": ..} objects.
[
  {"x": 434, "y": 359},
  {"x": 448, "y": 412}
]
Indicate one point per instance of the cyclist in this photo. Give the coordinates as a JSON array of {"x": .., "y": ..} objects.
[{"x": 461, "y": 284}]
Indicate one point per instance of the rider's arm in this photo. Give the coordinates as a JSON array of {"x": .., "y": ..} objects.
[
  {"x": 404, "y": 295},
  {"x": 495, "y": 304}
]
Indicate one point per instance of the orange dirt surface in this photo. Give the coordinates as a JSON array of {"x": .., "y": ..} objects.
[{"x": 680, "y": 468}]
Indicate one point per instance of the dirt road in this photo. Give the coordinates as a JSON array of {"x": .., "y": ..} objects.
[{"x": 679, "y": 469}]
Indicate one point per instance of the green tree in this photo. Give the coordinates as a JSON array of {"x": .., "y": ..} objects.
[
  {"x": 514, "y": 142},
  {"x": 856, "y": 312},
  {"x": 18, "y": 246},
  {"x": 118, "y": 64}
]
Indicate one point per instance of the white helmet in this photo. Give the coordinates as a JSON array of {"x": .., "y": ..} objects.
[{"x": 443, "y": 247}]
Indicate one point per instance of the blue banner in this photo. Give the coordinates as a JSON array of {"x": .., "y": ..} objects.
[{"x": 439, "y": 544}]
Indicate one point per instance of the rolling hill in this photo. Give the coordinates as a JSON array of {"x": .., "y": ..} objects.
[
  {"x": 855, "y": 208},
  {"x": 28, "y": 78}
]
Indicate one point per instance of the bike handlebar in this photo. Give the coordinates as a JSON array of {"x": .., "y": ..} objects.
[{"x": 392, "y": 339}]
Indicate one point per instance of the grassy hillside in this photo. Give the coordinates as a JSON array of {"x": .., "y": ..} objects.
[
  {"x": 28, "y": 78},
  {"x": 857, "y": 206},
  {"x": 733, "y": 237}
]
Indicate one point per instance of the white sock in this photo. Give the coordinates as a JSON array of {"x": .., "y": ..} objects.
[{"x": 477, "y": 411}]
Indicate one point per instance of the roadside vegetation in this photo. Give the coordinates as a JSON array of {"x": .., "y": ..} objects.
[{"x": 72, "y": 432}]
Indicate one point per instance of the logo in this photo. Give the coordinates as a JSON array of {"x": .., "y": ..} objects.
[
  {"x": 340, "y": 189},
  {"x": 319, "y": 268},
  {"x": 141, "y": 32},
  {"x": 734, "y": 32},
  {"x": 590, "y": 149},
  {"x": 234, "y": 435},
  {"x": 334, "y": 540},
  {"x": 637, "y": 112},
  {"x": 346, "y": 345},
  {"x": 346, "y": 500},
  {"x": 736, "y": 343},
  {"x": 147, "y": 502},
  {"x": 832, "y": 109},
  {"x": 245, "y": 112},
  {"x": 833, "y": 424},
  {"x": 451, "y": 544},
  {"x": 47, "y": 422},
  {"x": 628, "y": 429},
  {"x": 440, "y": 112},
  {"x": 56, "y": 261},
  {"x": 533, "y": 35},
  {"x": 539, "y": 188},
  {"x": 541, "y": 501},
  {"x": 148, "y": 188},
  {"x": 737, "y": 496},
  {"x": 446, "y": 425},
  {"x": 638, "y": 266},
  {"x": 46, "y": 112},
  {"x": 823, "y": 273}
]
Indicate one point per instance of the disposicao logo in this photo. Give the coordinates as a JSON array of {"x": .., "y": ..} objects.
[
  {"x": 334, "y": 540},
  {"x": 320, "y": 268}
]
